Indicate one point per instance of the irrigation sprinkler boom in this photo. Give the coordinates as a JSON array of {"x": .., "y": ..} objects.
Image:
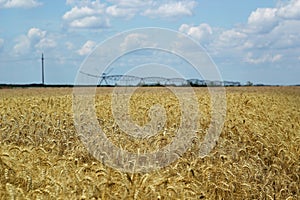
[{"x": 104, "y": 76}]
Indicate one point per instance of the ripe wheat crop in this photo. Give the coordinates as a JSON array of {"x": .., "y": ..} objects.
[{"x": 256, "y": 157}]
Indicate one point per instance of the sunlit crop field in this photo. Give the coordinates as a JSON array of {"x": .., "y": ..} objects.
[{"x": 256, "y": 157}]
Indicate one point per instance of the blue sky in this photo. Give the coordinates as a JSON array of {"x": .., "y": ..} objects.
[{"x": 250, "y": 40}]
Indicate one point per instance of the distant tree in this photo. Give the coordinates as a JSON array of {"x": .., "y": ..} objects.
[{"x": 249, "y": 83}]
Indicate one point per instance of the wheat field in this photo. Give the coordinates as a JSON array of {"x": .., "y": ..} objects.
[{"x": 256, "y": 157}]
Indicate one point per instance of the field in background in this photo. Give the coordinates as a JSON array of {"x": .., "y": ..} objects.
[{"x": 257, "y": 155}]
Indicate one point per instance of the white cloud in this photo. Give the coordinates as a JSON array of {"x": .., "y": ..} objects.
[
  {"x": 229, "y": 42},
  {"x": 132, "y": 3},
  {"x": 19, "y": 3},
  {"x": 71, "y": 2},
  {"x": 171, "y": 9},
  {"x": 82, "y": 3},
  {"x": 232, "y": 38},
  {"x": 270, "y": 35},
  {"x": 89, "y": 22},
  {"x": 128, "y": 9},
  {"x": 46, "y": 43},
  {"x": 93, "y": 14},
  {"x": 79, "y": 12},
  {"x": 88, "y": 14},
  {"x": 201, "y": 33},
  {"x": 262, "y": 59},
  {"x": 35, "y": 40},
  {"x": 262, "y": 20},
  {"x": 1, "y": 43},
  {"x": 116, "y": 11},
  {"x": 290, "y": 10},
  {"x": 285, "y": 35},
  {"x": 276, "y": 58},
  {"x": 69, "y": 45},
  {"x": 22, "y": 46},
  {"x": 35, "y": 34},
  {"x": 136, "y": 40},
  {"x": 87, "y": 48}
]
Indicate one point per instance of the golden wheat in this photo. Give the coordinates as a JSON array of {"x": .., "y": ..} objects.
[{"x": 256, "y": 157}]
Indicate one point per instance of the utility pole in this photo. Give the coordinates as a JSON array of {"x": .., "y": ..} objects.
[{"x": 43, "y": 72}]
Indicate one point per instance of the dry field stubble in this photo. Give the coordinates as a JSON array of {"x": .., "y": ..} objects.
[{"x": 257, "y": 155}]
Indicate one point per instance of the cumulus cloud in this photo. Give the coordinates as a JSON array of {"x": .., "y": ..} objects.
[
  {"x": 263, "y": 20},
  {"x": 93, "y": 14},
  {"x": 35, "y": 34},
  {"x": 290, "y": 10},
  {"x": 231, "y": 39},
  {"x": 127, "y": 9},
  {"x": 285, "y": 35},
  {"x": 19, "y": 3},
  {"x": 151, "y": 8},
  {"x": 89, "y": 22},
  {"x": 171, "y": 9},
  {"x": 35, "y": 39},
  {"x": 1, "y": 43},
  {"x": 88, "y": 14},
  {"x": 87, "y": 48},
  {"x": 79, "y": 12},
  {"x": 270, "y": 35},
  {"x": 46, "y": 43},
  {"x": 22, "y": 45},
  {"x": 117, "y": 11},
  {"x": 71, "y": 2},
  {"x": 201, "y": 33},
  {"x": 262, "y": 59},
  {"x": 134, "y": 41},
  {"x": 131, "y": 3},
  {"x": 69, "y": 45}
]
